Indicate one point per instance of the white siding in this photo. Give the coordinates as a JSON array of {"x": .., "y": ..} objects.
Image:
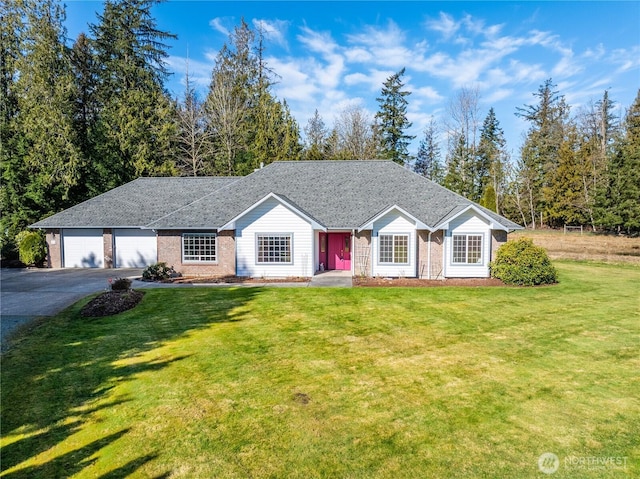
[
  {"x": 134, "y": 248},
  {"x": 272, "y": 217},
  {"x": 394, "y": 222},
  {"x": 82, "y": 248},
  {"x": 468, "y": 223}
]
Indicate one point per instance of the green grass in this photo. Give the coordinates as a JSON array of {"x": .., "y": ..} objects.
[{"x": 354, "y": 383}]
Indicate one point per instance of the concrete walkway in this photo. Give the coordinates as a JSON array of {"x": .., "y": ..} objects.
[{"x": 332, "y": 279}]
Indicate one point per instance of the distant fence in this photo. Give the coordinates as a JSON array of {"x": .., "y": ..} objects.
[{"x": 570, "y": 229}]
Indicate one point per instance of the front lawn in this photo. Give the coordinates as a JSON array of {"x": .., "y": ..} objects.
[{"x": 358, "y": 383}]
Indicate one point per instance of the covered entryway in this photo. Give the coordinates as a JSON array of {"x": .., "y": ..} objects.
[
  {"x": 134, "y": 248},
  {"x": 82, "y": 248},
  {"x": 335, "y": 251}
]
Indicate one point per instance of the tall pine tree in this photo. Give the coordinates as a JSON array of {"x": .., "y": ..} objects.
[
  {"x": 619, "y": 199},
  {"x": 489, "y": 167},
  {"x": 391, "y": 120},
  {"x": 42, "y": 162},
  {"x": 136, "y": 129},
  {"x": 428, "y": 160},
  {"x": 539, "y": 153}
]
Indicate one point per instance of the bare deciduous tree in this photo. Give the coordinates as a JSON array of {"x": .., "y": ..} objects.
[
  {"x": 194, "y": 140},
  {"x": 355, "y": 134}
]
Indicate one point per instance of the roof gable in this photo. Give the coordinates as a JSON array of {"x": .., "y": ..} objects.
[{"x": 283, "y": 201}]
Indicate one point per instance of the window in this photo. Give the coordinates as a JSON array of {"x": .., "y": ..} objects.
[
  {"x": 199, "y": 247},
  {"x": 394, "y": 249},
  {"x": 274, "y": 248},
  {"x": 467, "y": 249}
]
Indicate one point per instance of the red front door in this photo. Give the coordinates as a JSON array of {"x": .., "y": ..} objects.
[{"x": 338, "y": 251}]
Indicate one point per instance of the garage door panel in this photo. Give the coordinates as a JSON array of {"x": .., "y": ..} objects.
[
  {"x": 83, "y": 248},
  {"x": 135, "y": 248}
]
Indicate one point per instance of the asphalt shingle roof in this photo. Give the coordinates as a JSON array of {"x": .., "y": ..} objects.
[
  {"x": 136, "y": 203},
  {"x": 338, "y": 194}
]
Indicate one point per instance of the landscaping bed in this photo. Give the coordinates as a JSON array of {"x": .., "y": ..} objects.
[
  {"x": 424, "y": 283},
  {"x": 111, "y": 302}
]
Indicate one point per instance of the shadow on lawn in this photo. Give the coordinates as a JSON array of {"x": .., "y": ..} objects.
[{"x": 50, "y": 377}]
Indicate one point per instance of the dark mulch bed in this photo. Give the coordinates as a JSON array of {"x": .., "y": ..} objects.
[
  {"x": 425, "y": 283},
  {"x": 111, "y": 302}
]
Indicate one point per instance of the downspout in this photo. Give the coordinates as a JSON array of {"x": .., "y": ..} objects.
[
  {"x": 444, "y": 245},
  {"x": 429, "y": 255}
]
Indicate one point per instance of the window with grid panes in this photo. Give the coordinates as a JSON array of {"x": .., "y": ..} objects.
[
  {"x": 199, "y": 247},
  {"x": 467, "y": 249},
  {"x": 394, "y": 249},
  {"x": 274, "y": 248}
]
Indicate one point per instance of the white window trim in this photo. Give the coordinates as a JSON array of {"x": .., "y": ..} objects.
[
  {"x": 466, "y": 263},
  {"x": 201, "y": 234},
  {"x": 273, "y": 263},
  {"x": 393, "y": 235}
]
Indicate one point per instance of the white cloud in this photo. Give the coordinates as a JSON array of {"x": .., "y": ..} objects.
[
  {"x": 445, "y": 25},
  {"x": 383, "y": 47},
  {"x": 427, "y": 92},
  {"x": 318, "y": 42},
  {"x": 274, "y": 30},
  {"x": 358, "y": 55},
  {"x": 295, "y": 83},
  {"x": 218, "y": 24},
  {"x": 373, "y": 78},
  {"x": 626, "y": 59}
]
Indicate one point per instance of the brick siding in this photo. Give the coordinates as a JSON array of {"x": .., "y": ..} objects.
[{"x": 170, "y": 252}]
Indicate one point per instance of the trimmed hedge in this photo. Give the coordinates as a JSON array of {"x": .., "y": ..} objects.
[
  {"x": 522, "y": 263},
  {"x": 32, "y": 247}
]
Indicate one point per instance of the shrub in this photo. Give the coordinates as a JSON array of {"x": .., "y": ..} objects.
[
  {"x": 32, "y": 247},
  {"x": 121, "y": 284},
  {"x": 158, "y": 272},
  {"x": 522, "y": 263}
]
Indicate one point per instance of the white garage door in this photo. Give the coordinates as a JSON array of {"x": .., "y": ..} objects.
[
  {"x": 82, "y": 248},
  {"x": 135, "y": 248}
]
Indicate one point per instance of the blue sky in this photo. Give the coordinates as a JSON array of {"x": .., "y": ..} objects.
[{"x": 331, "y": 54}]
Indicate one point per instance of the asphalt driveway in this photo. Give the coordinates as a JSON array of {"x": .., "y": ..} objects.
[{"x": 26, "y": 294}]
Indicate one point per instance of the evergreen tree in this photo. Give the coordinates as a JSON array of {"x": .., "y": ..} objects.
[
  {"x": 136, "y": 129},
  {"x": 490, "y": 163},
  {"x": 427, "y": 161},
  {"x": 539, "y": 152},
  {"x": 248, "y": 125},
  {"x": 619, "y": 199},
  {"x": 391, "y": 119},
  {"x": 458, "y": 177},
  {"x": 598, "y": 127},
  {"x": 42, "y": 161},
  {"x": 316, "y": 137},
  {"x": 563, "y": 195},
  {"x": 15, "y": 175}
]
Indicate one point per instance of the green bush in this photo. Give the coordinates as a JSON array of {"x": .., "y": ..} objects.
[
  {"x": 32, "y": 247},
  {"x": 522, "y": 263},
  {"x": 158, "y": 272},
  {"x": 121, "y": 284}
]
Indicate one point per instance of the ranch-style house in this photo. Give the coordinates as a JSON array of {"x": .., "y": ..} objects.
[{"x": 288, "y": 219}]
